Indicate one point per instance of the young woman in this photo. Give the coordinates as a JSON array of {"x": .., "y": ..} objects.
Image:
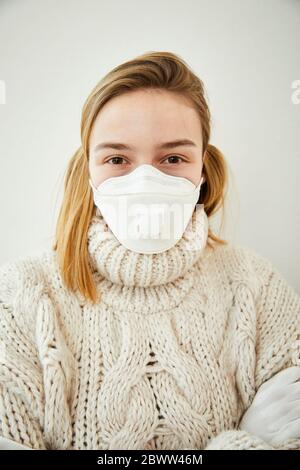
[{"x": 126, "y": 335}]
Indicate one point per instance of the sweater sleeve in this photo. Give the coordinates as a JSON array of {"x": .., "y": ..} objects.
[
  {"x": 9, "y": 444},
  {"x": 277, "y": 345},
  {"x": 21, "y": 381}
]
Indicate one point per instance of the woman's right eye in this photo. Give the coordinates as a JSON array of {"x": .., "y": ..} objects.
[{"x": 115, "y": 159}]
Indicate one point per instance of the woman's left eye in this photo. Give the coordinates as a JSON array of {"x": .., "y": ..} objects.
[{"x": 174, "y": 156}]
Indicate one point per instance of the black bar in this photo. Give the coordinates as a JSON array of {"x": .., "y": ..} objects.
[{"x": 129, "y": 459}]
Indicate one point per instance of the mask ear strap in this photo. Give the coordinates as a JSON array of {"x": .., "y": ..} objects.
[
  {"x": 91, "y": 184},
  {"x": 200, "y": 183}
]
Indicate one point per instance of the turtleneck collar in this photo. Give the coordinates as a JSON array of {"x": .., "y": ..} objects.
[{"x": 122, "y": 266}]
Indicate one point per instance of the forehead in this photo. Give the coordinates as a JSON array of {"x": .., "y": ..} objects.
[{"x": 147, "y": 112}]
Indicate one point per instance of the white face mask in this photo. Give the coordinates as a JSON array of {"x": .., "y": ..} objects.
[{"x": 147, "y": 210}]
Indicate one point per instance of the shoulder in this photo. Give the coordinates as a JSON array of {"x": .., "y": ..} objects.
[
  {"x": 240, "y": 265},
  {"x": 24, "y": 278},
  {"x": 240, "y": 259}
]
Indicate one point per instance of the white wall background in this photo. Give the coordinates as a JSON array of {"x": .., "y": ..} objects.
[{"x": 52, "y": 53}]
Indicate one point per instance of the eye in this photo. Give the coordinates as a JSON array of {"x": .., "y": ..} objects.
[
  {"x": 176, "y": 158},
  {"x": 116, "y": 160}
]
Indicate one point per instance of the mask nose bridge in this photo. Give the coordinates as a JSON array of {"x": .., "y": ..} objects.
[
  {"x": 153, "y": 168},
  {"x": 148, "y": 166}
]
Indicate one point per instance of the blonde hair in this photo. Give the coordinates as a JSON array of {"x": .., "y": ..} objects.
[{"x": 160, "y": 70}]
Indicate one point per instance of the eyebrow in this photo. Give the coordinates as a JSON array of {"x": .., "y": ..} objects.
[{"x": 165, "y": 145}]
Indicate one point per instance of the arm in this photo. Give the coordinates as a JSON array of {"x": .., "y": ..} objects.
[
  {"x": 277, "y": 345},
  {"x": 237, "y": 440},
  {"x": 21, "y": 381},
  {"x": 8, "y": 444}
]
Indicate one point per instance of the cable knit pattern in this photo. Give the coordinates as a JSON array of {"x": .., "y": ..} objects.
[
  {"x": 170, "y": 358},
  {"x": 125, "y": 267}
]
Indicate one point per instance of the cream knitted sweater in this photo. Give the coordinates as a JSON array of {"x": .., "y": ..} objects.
[{"x": 170, "y": 358}]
